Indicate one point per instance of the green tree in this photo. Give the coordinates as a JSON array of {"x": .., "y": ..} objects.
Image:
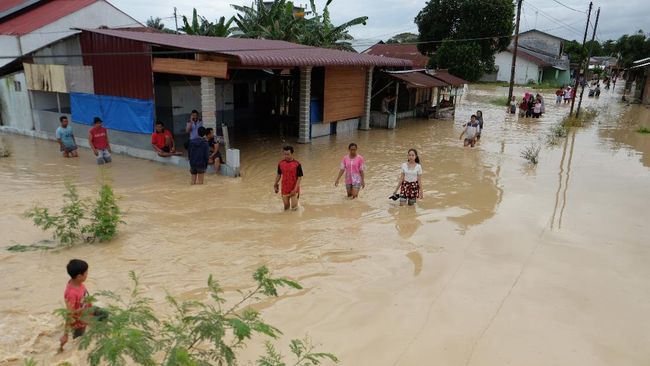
[
  {"x": 574, "y": 50},
  {"x": 200, "y": 26},
  {"x": 403, "y": 38},
  {"x": 460, "y": 59},
  {"x": 156, "y": 23},
  {"x": 631, "y": 48},
  {"x": 280, "y": 20},
  {"x": 489, "y": 25}
]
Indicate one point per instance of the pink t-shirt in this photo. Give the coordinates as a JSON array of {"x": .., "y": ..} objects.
[
  {"x": 77, "y": 297},
  {"x": 353, "y": 168}
]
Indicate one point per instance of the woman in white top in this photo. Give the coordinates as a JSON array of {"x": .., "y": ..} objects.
[{"x": 410, "y": 180}]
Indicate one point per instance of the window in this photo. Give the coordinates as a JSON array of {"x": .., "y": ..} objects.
[{"x": 17, "y": 86}]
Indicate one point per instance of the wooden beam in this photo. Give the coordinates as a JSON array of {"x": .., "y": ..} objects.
[{"x": 190, "y": 67}]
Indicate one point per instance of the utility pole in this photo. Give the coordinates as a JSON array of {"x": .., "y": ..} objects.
[
  {"x": 514, "y": 53},
  {"x": 582, "y": 51},
  {"x": 586, "y": 65},
  {"x": 176, "y": 19}
]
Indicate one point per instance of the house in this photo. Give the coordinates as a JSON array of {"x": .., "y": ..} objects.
[
  {"x": 402, "y": 51},
  {"x": 640, "y": 73},
  {"x": 29, "y": 25},
  {"x": 607, "y": 63},
  {"x": 540, "y": 59},
  {"x": 249, "y": 86}
]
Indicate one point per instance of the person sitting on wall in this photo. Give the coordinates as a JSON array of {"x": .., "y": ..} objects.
[
  {"x": 215, "y": 154},
  {"x": 163, "y": 141},
  {"x": 385, "y": 104},
  {"x": 65, "y": 138}
]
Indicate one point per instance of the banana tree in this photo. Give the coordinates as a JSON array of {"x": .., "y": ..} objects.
[{"x": 201, "y": 26}]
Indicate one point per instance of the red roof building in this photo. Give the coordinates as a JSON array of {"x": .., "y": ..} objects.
[{"x": 402, "y": 51}]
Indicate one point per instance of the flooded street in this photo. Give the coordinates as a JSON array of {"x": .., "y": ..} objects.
[{"x": 501, "y": 263}]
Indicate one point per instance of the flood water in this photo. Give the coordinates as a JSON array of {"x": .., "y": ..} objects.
[{"x": 501, "y": 262}]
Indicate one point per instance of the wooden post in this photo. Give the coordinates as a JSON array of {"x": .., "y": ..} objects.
[
  {"x": 514, "y": 53},
  {"x": 584, "y": 40}
]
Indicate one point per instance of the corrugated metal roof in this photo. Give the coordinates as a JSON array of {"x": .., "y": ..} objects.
[
  {"x": 403, "y": 51},
  {"x": 418, "y": 79},
  {"x": 527, "y": 56},
  {"x": 10, "y": 4},
  {"x": 448, "y": 78},
  {"x": 258, "y": 52},
  {"x": 41, "y": 15}
]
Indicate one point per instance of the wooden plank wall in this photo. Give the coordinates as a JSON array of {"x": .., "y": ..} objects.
[
  {"x": 345, "y": 93},
  {"x": 190, "y": 67}
]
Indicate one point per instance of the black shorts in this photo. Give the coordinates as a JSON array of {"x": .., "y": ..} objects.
[
  {"x": 198, "y": 169},
  {"x": 166, "y": 149},
  {"x": 217, "y": 156}
]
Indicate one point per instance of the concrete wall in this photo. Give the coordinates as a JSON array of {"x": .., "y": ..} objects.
[
  {"x": 15, "y": 109},
  {"x": 320, "y": 129},
  {"x": 347, "y": 126},
  {"x": 341, "y": 127},
  {"x": 524, "y": 71},
  {"x": 553, "y": 75}
]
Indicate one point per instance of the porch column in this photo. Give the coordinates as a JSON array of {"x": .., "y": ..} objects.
[
  {"x": 208, "y": 102},
  {"x": 365, "y": 121},
  {"x": 304, "y": 132}
]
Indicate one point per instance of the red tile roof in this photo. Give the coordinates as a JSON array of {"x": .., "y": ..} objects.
[
  {"x": 417, "y": 79},
  {"x": 41, "y": 15},
  {"x": 258, "y": 52},
  {"x": 403, "y": 51},
  {"x": 448, "y": 78}
]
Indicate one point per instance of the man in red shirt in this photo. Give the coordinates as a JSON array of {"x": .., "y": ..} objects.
[
  {"x": 98, "y": 140},
  {"x": 163, "y": 141},
  {"x": 290, "y": 171}
]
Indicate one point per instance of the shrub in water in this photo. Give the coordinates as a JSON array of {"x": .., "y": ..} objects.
[
  {"x": 78, "y": 220},
  {"x": 531, "y": 153},
  {"x": 198, "y": 333}
]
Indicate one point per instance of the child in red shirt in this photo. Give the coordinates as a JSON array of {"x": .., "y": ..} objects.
[
  {"x": 290, "y": 171},
  {"x": 76, "y": 301}
]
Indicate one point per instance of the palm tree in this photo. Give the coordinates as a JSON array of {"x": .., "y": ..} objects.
[
  {"x": 156, "y": 23},
  {"x": 282, "y": 21},
  {"x": 200, "y": 26}
]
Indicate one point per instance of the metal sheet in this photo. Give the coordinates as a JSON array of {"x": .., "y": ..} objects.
[{"x": 121, "y": 67}]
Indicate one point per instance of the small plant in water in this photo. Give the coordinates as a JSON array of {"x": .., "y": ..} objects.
[
  {"x": 198, "y": 333},
  {"x": 78, "y": 220},
  {"x": 4, "y": 152},
  {"x": 531, "y": 153},
  {"x": 643, "y": 130},
  {"x": 557, "y": 131}
]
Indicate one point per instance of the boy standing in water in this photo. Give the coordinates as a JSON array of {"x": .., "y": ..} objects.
[
  {"x": 290, "y": 172},
  {"x": 98, "y": 140},
  {"x": 470, "y": 131},
  {"x": 76, "y": 302},
  {"x": 353, "y": 166},
  {"x": 65, "y": 138},
  {"x": 198, "y": 151}
]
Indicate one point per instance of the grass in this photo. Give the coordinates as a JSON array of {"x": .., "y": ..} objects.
[
  {"x": 500, "y": 101},
  {"x": 587, "y": 115},
  {"x": 531, "y": 153},
  {"x": 643, "y": 130}
]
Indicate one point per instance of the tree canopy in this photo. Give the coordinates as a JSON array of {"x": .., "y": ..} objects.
[
  {"x": 200, "y": 26},
  {"x": 627, "y": 48},
  {"x": 403, "y": 38},
  {"x": 466, "y": 25},
  {"x": 156, "y": 23},
  {"x": 282, "y": 20}
]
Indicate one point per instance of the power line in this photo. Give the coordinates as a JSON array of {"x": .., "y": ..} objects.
[
  {"x": 549, "y": 17},
  {"x": 570, "y": 8}
]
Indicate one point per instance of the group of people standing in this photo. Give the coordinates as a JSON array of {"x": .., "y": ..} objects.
[
  {"x": 289, "y": 177},
  {"x": 530, "y": 105},
  {"x": 97, "y": 139}
]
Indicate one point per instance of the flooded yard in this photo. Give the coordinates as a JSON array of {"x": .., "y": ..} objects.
[{"x": 501, "y": 263}]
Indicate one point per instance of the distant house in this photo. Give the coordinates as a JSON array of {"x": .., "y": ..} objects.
[
  {"x": 540, "y": 58},
  {"x": 43, "y": 27},
  {"x": 403, "y": 51},
  {"x": 607, "y": 63},
  {"x": 640, "y": 73}
]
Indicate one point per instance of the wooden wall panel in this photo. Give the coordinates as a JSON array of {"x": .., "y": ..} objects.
[
  {"x": 345, "y": 93},
  {"x": 190, "y": 67}
]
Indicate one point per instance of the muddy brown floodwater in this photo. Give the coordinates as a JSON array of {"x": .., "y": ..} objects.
[{"x": 501, "y": 263}]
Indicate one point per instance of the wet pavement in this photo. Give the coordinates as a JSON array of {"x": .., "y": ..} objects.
[{"x": 500, "y": 263}]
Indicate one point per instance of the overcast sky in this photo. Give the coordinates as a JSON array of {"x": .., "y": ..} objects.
[{"x": 388, "y": 17}]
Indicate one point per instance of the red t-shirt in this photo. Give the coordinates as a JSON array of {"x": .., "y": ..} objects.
[
  {"x": 77, "y": 297},
  {"x": 99, "y": 137},
  {"x": 158, "y": 138},
  {"x": 290, "y": 171}
]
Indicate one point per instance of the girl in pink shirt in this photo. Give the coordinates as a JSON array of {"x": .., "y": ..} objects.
[{"x": 353, "y": 166}]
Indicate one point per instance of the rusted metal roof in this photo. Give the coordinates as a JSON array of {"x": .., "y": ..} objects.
[
  {"x": 403, "y": 51},
  {"x": 257, "y": 52},
  {"x": 448, "y": 78},
  {"x": 418, "y": 80},
  {"x": 41, "y": 15}
]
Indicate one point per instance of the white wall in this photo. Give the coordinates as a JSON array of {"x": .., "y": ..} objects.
[
  {"x": 14, "y": 105},
  {"x": 92, "y": 16},
  {"x": 524, "y": 71}
]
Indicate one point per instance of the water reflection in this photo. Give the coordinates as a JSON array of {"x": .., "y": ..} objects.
[{"x": 622, "y": 132}]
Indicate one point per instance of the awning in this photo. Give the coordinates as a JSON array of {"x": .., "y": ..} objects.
[
  {"x": 418, "y": 80},
  {"x": 448, "y": 78}
]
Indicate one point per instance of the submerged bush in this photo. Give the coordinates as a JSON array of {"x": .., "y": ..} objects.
[
  {"x": 78, "y": 220},
  {"x": 197, "y": 333},
  {"x": 557, "y": 131},
  {"x": 643, "y": 130},
  {"x": 586, "y": 115},
  {"x": 4, "y": 152},
  {"x": 531, "y": 153}
]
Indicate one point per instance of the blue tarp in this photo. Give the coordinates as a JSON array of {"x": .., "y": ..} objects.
[{"x": 117, "y": 113}]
